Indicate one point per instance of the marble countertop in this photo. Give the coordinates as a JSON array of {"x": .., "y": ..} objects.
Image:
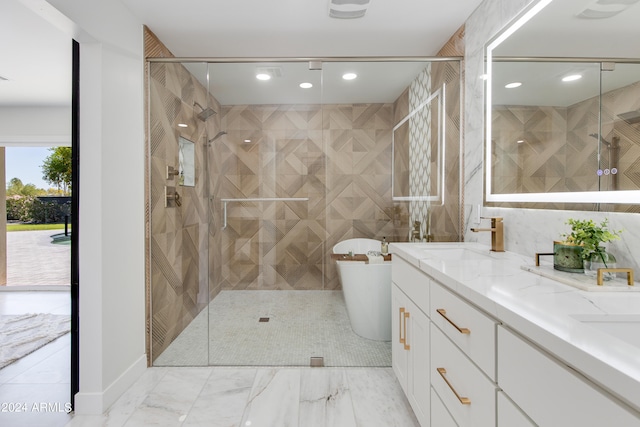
[{"x": 548, "y": 312}]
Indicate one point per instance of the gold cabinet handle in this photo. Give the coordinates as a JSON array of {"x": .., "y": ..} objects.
[
  {"x": 601, "y": 271},
  {"x": 463, "y": 400},
  {"x": 406, "y": 345},
  {"x": 401, "y": 314},
  {"x": 442, "y": 312}
]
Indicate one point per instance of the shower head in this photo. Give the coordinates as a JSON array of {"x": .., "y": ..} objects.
[
  {"x": 205, "y": 113},
  {"x": 631, "y": 117},
  {"x": 218, "y": 135}
]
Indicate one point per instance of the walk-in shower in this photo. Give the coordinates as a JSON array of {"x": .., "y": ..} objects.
[{"x": 241, "y": 272}]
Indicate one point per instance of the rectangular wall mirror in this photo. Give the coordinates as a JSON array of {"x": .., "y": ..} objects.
[
  {"x": 187, "y": 163},
  {"x": 563, "y": 109}
]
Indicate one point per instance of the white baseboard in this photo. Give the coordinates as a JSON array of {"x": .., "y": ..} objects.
[{"x": 98, "y": 403}]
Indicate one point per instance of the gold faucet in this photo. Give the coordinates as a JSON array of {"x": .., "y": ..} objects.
[
  {"x": 415, "y": 233},
  {"x": 497, "y": 233}
]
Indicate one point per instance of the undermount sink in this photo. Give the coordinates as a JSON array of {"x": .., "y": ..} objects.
[
  {"x": 456, "y": 253},
  {"x": 625, "y": 327}
]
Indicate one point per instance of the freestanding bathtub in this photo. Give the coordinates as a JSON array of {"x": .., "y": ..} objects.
[{"x": 366, "y": 289}]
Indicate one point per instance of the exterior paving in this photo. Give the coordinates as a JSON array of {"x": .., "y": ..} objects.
[{"x": 32, "y": 259}]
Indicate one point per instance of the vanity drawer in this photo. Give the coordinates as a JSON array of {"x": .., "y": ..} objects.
[
  {"x": 509, "y": 415},
  {"x": 552, "y": 394},
  {"x": 413, "y": 282},
  {"x": 440, "y": 417},
  {"x": 471, "y": 330},
  {"x": 455, "y": 379}
]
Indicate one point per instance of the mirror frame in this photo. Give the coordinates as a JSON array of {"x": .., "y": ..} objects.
[
  {"x": 613, "y": 197},
  {"x": 440, "y": 175}
]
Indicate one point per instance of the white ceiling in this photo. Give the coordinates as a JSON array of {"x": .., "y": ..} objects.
[
  {"x": 36, "y": 58},
  {"x": 260, "y": 28}
]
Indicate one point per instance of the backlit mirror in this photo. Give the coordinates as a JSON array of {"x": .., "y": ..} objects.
[
  {"x": 563, "y": 107},
  {"x": 417, "y": 152}
]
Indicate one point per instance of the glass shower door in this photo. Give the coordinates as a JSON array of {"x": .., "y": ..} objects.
[
  {"x": 180, "y": 117},
  {"x": 268, "y": 217}
]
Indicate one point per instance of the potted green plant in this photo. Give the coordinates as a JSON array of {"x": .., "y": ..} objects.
[{"x": 590, "y": 236}]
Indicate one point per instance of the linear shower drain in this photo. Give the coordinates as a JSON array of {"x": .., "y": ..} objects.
[
  {"x": 263, "y": 319},
  {"x": 317, "y": 362}
]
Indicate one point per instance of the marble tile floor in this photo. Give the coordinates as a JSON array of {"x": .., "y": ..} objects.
[
  {"x": 42, "y": 377},
  {"x": 302, "y": 324},
  {"x": 259, "y": 397}
]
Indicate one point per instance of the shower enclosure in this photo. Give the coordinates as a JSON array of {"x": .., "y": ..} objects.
[{"x": 286, "y": 165}]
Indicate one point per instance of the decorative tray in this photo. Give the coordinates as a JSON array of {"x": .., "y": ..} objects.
[{"x": 581, "y": 281}]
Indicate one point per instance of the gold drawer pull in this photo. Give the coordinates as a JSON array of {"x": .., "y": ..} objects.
[
  {"x": 401, "y": 314},
  {"x": 406, "y": 346},
  {"x": 463, "y": 400},
  {"x": 442, "y": 312},
  {"x": 601, "y": 271}
]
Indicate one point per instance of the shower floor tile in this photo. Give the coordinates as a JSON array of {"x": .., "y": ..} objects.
[{"x": 302, "y": 324}]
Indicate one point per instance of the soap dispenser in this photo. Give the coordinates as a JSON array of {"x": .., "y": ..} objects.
[{"x": 384, "y": 246}]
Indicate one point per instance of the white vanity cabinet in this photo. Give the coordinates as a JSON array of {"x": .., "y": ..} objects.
[
  {"x": 440, "y": 416},
  {"x": 509, "y": 415},
  {"x": 429, "y": 365},
  {"x": 552, "y": 394},
  {"x": 470, "y": 329},
  {"x": 468, "y": 394},
  {"x": 410, "y": 337},
  {"x": 465, "y": 359}
]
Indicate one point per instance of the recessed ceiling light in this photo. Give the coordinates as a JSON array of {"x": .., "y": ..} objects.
[
  {"x": 520, "y": 141},
  {"x": 263, "y": 76},
  {"x": 572, "y": 78},
  {"x": 306, "y": 85},
  {"x": 513, "y": 85},
  {"x": 247, "y": 140},
  {"x": 183, "y": 125},
  {"x": 349, "y": 76}
]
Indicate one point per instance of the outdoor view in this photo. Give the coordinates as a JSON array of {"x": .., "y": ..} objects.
[
  {"x": 38, "y": 215},
  {"x": 35, "y": 303}
]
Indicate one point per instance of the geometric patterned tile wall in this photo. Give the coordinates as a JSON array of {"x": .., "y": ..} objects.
[
  {"x": 421, "y": 145},
  {"x": 560, "y": 148},
  {"x": 337, "y": 156},
  {"x": 180, "y": 267}
]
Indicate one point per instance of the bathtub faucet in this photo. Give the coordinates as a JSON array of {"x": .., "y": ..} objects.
[{"x": 415, "y": 233}]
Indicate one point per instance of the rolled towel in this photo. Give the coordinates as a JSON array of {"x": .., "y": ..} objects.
[{"x": 375, "y": 257}]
